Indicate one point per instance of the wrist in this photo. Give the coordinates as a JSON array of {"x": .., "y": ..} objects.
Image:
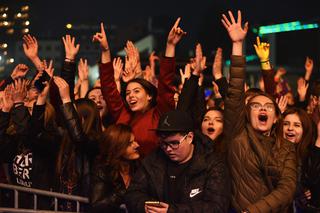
[
  {"x": 237, "y": 48},
  {"x": 302, "y": 98},
  {"x": 69, "y": 59},
  {"x": 105, "y": 49},
  {"x": 66, "y": 100}
]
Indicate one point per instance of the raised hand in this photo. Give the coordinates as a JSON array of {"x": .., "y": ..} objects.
[
  {"x": 43, "y": 94},
  {"x": 134, "y": 56},
  {"x": 175, "y": 35},
  {"x": 236, "y": 33},
  {"x": 8, "y": 98},
  {"x": 234, "y": 28},
  {"x": 118, "y": 68},
  {"x": 200, "y": 61},
  {"x": 282, "y": 103},
  {"x": 30, "y": 46},
  {"x": 279, "y": 73},
  {"x": 101, "y": 37},
  {"x": 201, "y": 78},
  {"x": 63, "y": 89},
  {"x": 262, "y": 50},
  {"x": 20, "y": 90},
  {"x": 309, "y": 67},
  {"x": 216, "y": 92},
  {"x": 302, "y": 89},
  {"x": 70, "y": 47},
  {"x": 152, "y": 60},
  {"x": 186, "y": 74},
  {"x": 83, "y": 70},
  {"x": 19, "y": 71},
  {"x": 48, "y": 69},
  {"x": 217, "y": 65},
  {"x": 129, "y": 70}
]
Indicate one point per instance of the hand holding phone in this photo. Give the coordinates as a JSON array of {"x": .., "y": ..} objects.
[
  {"x": 39, "y": 83},
  {"x": 153, "y": 203}
]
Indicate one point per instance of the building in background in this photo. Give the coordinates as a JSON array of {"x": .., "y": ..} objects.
[{"x": 14, "y": 23}]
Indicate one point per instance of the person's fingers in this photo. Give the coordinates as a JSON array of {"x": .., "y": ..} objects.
[
  {"x": 258, "y": 40},
  {"x": 239, "y": 17},
  {"x": 102, "y": 28},
  {"x": 231, "y": 17},
  {"x": 246, "y": 27},
  {"x": 176, "y": 24},
  {"x": 224, "y": 24},
  {"x": 73, "y": 40}
]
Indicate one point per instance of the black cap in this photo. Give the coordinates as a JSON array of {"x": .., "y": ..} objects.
[{"x": 175, "y": 121}]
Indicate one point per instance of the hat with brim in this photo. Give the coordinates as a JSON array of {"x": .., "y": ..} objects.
[{"x": 175, "y": 121}]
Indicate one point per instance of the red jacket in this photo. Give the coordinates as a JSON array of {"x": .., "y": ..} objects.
[{"x": 141, "y": 123}]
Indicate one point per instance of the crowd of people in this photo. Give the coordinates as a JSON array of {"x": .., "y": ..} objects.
[{"x": 137, "y": 142}]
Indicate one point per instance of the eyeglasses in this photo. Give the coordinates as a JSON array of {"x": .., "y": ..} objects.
[
  {"x": 257, "y": 106},
  {"x": 172, "y": 144}
]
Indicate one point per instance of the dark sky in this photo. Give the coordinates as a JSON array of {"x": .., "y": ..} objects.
[{"x": 200, "y": 18}]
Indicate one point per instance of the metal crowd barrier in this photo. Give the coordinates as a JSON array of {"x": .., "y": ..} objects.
[{"x": 36, "y": 192}]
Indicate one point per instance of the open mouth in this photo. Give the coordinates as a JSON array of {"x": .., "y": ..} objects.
[
  {"x": 132, "y": 102},
  {"x": 263, "y": 118},
  {"x": 290, "y": 136},
  {"x": 210, "y": 130}
]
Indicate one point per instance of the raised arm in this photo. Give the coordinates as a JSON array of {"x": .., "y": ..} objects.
[
  {"x": 220, "y": 80},
  {"x": 234, "y": 102},
  {"x": 165, "y": 101},
  {"x": 83, "y": 74},
  {"x": 19, "y": 71},
  {"x": 109, "y": 87},
  {"x": 30, "y": 48},
  {"x": 69, "y": 67},
  {"x": 268, "y": 73}
]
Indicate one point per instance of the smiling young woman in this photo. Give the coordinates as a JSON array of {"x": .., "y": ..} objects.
[{"x": 144, "y": 103}]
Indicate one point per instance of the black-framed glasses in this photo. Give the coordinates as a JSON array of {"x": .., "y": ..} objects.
[
  {"x": 257, "y": 106},
  {"x": 172, "y": 144}
]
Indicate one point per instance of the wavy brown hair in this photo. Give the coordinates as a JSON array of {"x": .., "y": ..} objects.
[
  {"x": 113, "y": 144},
  {"x": 89, "y": 118},
  {"x": 307, "y": 135}
]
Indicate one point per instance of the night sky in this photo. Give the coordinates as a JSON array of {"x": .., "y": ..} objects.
[{"x": 200, "y": 18}]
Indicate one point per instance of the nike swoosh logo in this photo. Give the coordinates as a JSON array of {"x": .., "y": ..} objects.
[{"x": 192, "y": 194}]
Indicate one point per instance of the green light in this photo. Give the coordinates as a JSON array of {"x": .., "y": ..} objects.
[{"x": 285, "y": 27}]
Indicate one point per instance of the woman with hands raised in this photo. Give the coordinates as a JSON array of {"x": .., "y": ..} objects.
[
  {"x": 262, "y": 164},
  {"x": 79, "y": 145},
  {"x": 144, "y": 102}
]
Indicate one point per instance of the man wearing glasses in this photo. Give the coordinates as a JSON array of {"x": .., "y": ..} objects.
[{"x": 182, "y": 175}]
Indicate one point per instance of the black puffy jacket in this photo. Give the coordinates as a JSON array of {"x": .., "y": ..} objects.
[{"x": 207, "y": 174}]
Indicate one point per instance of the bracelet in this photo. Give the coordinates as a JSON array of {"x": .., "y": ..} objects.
[
  {"x": 267, "y": 61},
  {"x": 18, "y": 104},
  {"x": 69, "y": 60}
]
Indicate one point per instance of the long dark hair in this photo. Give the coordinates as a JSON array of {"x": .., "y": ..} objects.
[
  {"x": 113, "y": 144},
  {"x": 91, "y": 126},
  {"x": 307, "y": 135}
]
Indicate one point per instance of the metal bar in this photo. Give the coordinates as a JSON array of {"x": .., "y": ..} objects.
[
  {"x": 35, "y": 201},
  {"x": 16, "y": 199},
  {"x": 56, "y": 204},
  {"x": 13, "y": 210},
  {"x": 45, "y": 193},
  {"x": 78, "y": 206}
]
